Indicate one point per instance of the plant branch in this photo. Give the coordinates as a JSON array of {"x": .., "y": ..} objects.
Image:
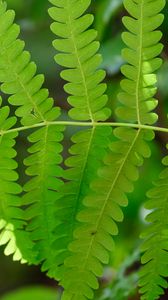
[{"x": 85, "y": 124}]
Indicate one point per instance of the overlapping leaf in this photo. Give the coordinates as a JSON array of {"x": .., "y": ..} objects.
[
  {"x": 93, "y": 239},
  {"x": 155, "y": 247},
  {"x": 18, "y": 75},
  {"x": 11, "y": 215},
  {"x": 87, "y": 152},
  {"x": 71, "y": 225},
  {"x": 77, "y": 53},
  {"x": 19, "y": 79}
]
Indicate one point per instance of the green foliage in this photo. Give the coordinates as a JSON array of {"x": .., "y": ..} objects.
[
  {"x": 11, "y": 215},
  {"x": 17, "y": 75},
  {"x": 124, "y": 284},
  {"x": 143, "y": 47},
  {"x": 79, "y": 54},
  {"x": 93, "y": 239},
  {"x": 87, "y": 154},
  {"x": 38, "y": 292},
  {"x": 155, "y": 258},
  {"x": 9, "y": 188},
  {"x": 66, "y": 214}
]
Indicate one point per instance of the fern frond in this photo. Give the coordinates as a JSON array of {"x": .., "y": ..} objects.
[
  {"x": 70, "y": 226},
  {"x": 142, "y": 41},
  {"x": 19, "y": 79},
  {"x": 11, "y": 215},
  {"x": 43, "y": 167},
  {"x": 139, "y": 88},
  {"x": 93, "y": 239},
  {"x": 18, "y": 75},
  {"x": 79, "y": 56},
  {"x": 87, "y": 154},
  {"x": 155, "y": 247}
]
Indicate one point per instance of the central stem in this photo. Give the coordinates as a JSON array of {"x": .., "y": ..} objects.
[{"x": 85, "y": 124}]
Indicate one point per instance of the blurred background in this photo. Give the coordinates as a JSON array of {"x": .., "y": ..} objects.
[{"x": 119, "y": 281}]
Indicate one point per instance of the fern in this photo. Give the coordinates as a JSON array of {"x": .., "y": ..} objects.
[
  {"x": 11, "y": 215},
  {"x": 66, "y": 218},
  {"x": 18, "y": 75},
  {"x": 18, "y": 78},
  {"x": 155, "y": 258},
  {"x": 143, "y": 47},
  {"x": 78, "y": 54},
  {"x": 79, "y": 48},
  {"x": 9, "y": 188},
  {"x": 92, "y": 240},
  {"x": 83, "y": 166}
]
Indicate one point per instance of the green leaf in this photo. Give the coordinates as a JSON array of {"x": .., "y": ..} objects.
[
  {"x": 87, "y": 153},
  {"x": 19, "y": 79},
  {"x": 11, "y": 214},
  {"x": 155, "y": 246},
  {"x": 18, "y": 75},
  {"x": 79, "y": 56},
  {"x": 143, "y": 47},
  {"x": 27, "y": 293},
  {"x": 93, "y": 239}
]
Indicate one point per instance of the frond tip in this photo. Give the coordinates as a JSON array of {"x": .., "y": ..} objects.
[
  {"x": 78, "y": 54},
  {"x": 18, "y": 75},
  {"x": 143, "y": 47}
]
